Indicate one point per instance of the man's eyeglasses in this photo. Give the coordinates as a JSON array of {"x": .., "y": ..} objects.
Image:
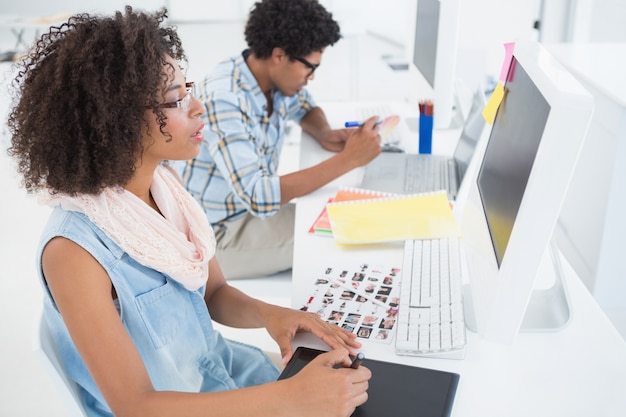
[
  {"x": 307, "y": 64},
  {"x": 182, "y": 103}
]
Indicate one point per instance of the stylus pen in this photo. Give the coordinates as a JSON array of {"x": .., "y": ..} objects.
[
  {"x": 357, "y": 124},
  {"x": 357, "y": 360}
]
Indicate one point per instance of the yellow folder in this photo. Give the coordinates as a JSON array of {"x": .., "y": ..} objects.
[{"x": 416, "y": 216}]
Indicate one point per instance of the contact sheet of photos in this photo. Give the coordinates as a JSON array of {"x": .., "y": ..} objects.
[{"x": 362, "y": 299}]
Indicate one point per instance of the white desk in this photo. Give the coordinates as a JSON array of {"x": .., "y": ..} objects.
[{"x": 579, "y": 371}]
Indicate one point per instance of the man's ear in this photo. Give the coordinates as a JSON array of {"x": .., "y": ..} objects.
[{"x": 279, "y": 55}]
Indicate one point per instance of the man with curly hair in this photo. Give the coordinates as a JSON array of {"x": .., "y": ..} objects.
[{"x": 248, "y": 100}]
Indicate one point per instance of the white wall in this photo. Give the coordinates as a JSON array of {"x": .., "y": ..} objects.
[
  {"x": 607, "y": 21},
  {"x": 49, "y": 8},
  {"x": 484, "y": 26}
]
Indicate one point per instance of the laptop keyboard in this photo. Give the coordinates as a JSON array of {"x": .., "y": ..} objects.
[
  {"x": 426, "y": 174},
  {"x": 431, "y": 320}
]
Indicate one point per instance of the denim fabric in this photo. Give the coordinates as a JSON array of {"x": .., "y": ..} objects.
[{"x": 170, "y": 325}]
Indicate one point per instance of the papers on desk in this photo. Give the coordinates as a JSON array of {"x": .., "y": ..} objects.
[
  {"x": 321, "y": 226},
  {"x": 361, "y": 298},
  {"x": 380, "y": 218}
]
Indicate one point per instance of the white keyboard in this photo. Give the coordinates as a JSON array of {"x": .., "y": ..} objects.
[
  {"x": 382, "y": 111},
  {"x": 431, "y": 320}
]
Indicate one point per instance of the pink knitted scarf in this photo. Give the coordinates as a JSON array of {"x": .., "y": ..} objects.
[{"x": 179, "y": 243}]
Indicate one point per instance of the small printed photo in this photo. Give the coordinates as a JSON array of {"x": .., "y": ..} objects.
[
  {"x": 327, "y": 301},
  {"x": 320, "y": 281},
  {"x": 387, "y": 323},
  {"x": 361, "y": 299},
  {"x": 372, "y": 279},
  {"x": 353, "y": 318},
  {"x": 347, "y": 295},
  {"x": 369, "y": 320},
  {"x": 355, "y": 285},
  {"x": 328, "y": 270},
  {"x": 370, "y": 288},
  {"x": 364, "y": 332},
  {"x": 358, "y": 276},
  {"x": 329, "y": 293},
  {"x": 394, "y": 301},
  {"x": 392, "y": 312},
  {"x": 334, "y": 285},
  {"x": 343, "y": 273},
  {"x": 335, "y": 316},
  {"x": 363, "y": 267},
  {"x": 382, "y": 334},
  {"x": 381, "y": 298},
  {"x": 384, "y": 290},
  {"x": 388, "y": 281},
  {"x": 348, "y": 327}
]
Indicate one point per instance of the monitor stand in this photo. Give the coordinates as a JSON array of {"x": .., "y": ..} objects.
[{"x": 548, "y": 309}]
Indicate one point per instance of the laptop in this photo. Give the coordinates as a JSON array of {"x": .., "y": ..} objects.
[{"x": 417, "y": 173}]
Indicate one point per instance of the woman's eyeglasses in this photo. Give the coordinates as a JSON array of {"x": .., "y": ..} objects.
[{"x": 182, "y": 103}]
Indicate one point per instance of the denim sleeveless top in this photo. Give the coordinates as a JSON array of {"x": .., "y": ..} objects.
[{"x": 170, "y": 325}]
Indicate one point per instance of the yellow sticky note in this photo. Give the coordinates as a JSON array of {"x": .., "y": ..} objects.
[{"x": 489, "y": 112}]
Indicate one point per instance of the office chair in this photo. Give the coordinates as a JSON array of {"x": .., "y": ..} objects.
[{"x": 46, "y": 351}]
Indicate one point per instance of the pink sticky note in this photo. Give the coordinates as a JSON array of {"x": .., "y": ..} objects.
[{"x": 508, "y": 56}]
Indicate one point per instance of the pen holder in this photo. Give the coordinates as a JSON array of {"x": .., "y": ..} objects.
[{"x": 426, "y": 134}]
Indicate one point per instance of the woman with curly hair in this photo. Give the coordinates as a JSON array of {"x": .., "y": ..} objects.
[
  {"x": 127, "y": 257},
  {"x": 249, "y": 100}
]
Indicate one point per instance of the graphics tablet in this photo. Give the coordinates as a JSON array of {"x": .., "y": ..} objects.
[{"x": 395, "y": 390}]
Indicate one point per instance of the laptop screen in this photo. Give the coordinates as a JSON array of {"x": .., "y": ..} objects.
[{"x": 472, "y": 130}]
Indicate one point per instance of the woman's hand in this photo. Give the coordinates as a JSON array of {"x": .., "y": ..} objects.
[
  {"x": 332, "y": 388},
  {"x": 283, "y": 323}
]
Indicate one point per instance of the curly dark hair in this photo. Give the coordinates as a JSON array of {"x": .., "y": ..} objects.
[
  {"x": 79, "y": 99},
  {"x": 299, "y": 27}
]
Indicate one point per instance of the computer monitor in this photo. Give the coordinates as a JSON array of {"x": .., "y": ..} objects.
[
  {"x": 515, "y": 197},
  {"x": 431, "y": 49}
]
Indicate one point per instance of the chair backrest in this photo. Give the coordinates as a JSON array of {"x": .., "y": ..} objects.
[{"x": 45, "y": 349}]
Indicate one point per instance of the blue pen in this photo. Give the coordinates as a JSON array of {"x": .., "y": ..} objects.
[{"x": 357, "y": 124}]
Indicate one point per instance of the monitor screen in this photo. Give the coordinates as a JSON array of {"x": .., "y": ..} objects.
[
  {"x": 425, "y": 47},
  {"x": 510, "y": 154},
  {"x": 514, "y": 196},
  {"x": 431, "y": 49}
]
